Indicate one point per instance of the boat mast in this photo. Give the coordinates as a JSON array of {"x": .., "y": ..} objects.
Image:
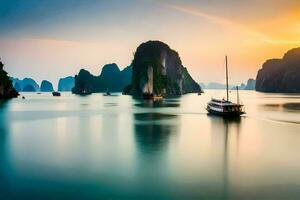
[
  {"x": 237, "y": 95},
  {"x": 227, "y": 79}
]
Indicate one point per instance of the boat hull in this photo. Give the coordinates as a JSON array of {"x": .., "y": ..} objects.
[
  {"x": 56, "y": 94},
  {"x": 225, "y": 114}
]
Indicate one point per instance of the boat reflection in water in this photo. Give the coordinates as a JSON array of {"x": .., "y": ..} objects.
[{"x": 225, "y": 132}]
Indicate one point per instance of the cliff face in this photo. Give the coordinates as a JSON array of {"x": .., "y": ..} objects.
[
  {"x": 111, "y": 78},
  {"x": 188, "y": 84},
  {"x": 280, "y": 75},
  {"x": 157, "y": 69},
  {"x": 66, "y": 84},
  {"x": 7, "y": 90},
  {"x": 46, "y": 86}
]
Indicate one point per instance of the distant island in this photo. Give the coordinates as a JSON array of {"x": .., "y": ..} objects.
[
  {"x": 280, "y": 75},
  {"x": 250, "y": 85},
  {"x": 157, "y": 69},
  {"x": 111, "y": 78},
  {"x": 46, "y": 86},
  {"x": 25, "y": 85},
  {"x": 7, "y": 91},
  {"x": 30, "y": 85},
  {"x": 66, "y": 84}
]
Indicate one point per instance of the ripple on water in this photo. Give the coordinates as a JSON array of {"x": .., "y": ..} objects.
[
  {"x": 152, "y": 116},
  {"x": 289, "y": 107}
]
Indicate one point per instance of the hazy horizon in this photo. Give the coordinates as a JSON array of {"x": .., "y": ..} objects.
[{"x": 53, "y": 39}]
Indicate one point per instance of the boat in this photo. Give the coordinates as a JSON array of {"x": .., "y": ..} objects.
[
  {"x": 56, "y": 94},
  {"x": 85, "y": 92},
  {"x": 224, "y": 107},
  {"x": 107, "y": 93}
]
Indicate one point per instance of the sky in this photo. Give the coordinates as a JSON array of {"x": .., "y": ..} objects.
[{"x": 50, "y": 39}]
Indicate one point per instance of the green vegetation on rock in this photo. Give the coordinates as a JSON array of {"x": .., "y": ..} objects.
[
  {"x": 111, "y": 78},
  {"x": 169, "y": 76}
]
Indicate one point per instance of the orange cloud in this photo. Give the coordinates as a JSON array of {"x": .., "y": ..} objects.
[{"x": 264, "y": 36}]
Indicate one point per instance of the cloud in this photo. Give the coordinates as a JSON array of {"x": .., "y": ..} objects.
[{"x": 232, "y": 25}]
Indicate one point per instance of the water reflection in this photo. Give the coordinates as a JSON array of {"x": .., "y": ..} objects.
[
  {"x": 153, "y": 134},
  {"x": 113, "y": 148},
  {"x": 153, "y": 130},
  {"x": 288, "y": 107},
  {"x": 158, "y": 103},
  {"x": 222, "y": 130},
  {"x": 4, "y": 165}
]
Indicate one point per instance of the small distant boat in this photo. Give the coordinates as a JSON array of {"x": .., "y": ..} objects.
[
  {"x": 56, "y": 94},
  {"x": 85, "y": 92},
  {"x": 225, "y": 107},
  {"x": 107, "y": 93},
  {"x": 148, "y": 96}
]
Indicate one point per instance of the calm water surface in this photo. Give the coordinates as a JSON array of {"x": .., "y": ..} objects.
[{"x": 98, "y": 147}]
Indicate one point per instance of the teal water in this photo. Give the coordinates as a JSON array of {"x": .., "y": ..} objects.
[{"x": 99, "y": 147}]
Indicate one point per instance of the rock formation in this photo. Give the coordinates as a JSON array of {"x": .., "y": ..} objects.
[
  {"x": 29, "y": 88},
  {"x": 111, "y": 78},
  {"x": 240, "y": 87},
  {"x": 250, "y": 84},
  {"x": 7, "y": 90},
  {"x": 280, "y": 75},
  {"x": 157, "y": 69},
  {"x": 26, "y": 81},
  {"x": 217, "y": 86},
  {"x": 46, "y": 86},
  {"x": 17, "y": 87},
  {"x": 66, "y": 84}
]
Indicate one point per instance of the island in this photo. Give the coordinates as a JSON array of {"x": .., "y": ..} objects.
[
  {"x": 157, "y": 70},
  {"x": 250, "y": 84},
  {"x": 29, "y": 88},
  {"x": 110, "y": 79},
  {"x": 7, "y": 91},
  {"x": 66, "y": 84},
  {"x": 46, "y": 86},
  {"x": 22, "y": 85},
  {"x": 280, "y": 75}
]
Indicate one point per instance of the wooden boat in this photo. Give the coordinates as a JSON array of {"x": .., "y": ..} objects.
[
  {"x": 56, "y": 94},
  {"x": 225, "y": 107}
]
